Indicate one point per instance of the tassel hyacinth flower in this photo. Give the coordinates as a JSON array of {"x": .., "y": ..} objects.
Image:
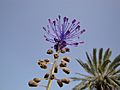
[{"x": 63, "y": 33}]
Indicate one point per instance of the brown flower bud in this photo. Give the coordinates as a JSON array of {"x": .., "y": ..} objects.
[
  {"x": 37, "y": 80},
  {"x": 65, "y": 80},
  {"x": 63, "y": 64},
  {"x": 56, "y": 56},
  {"x": 46, "y": 76},
  {"x": 67, "y": 49},
  {"x": 63, "y": 50},
  {"x": 67, "y": 59},
  {"x": 32, "y": 83},
  {"x": 59, "y": 82},
  {"x": 66, "y": 70},
  {"x": 43, "y": 66},
  {"x": 56, "y": 69},
  {"x": 40, "y": 62},
  {"x": 52, "y": 77},
  {"x": 50, "y": 51},
  {"x": 46, "y": 61}
]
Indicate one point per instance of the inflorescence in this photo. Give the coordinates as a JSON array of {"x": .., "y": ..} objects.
[{"x": 61, "y": 33}]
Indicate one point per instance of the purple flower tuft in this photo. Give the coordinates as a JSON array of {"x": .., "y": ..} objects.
[{"x": 63, "y": 33}]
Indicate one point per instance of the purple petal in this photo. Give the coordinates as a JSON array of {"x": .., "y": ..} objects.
[{"x": 74, "y": 21}]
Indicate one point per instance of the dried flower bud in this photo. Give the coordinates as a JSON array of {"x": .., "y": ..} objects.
[
  {"x": 56, "y": 56},
  {"x": 63, "y": 64},
  {"x": 63, "y": 50},
  {"x": 50, "y": 51},
  {"x": 59, "y": 82},
  {"x": 52, "y": 77},
  {"x": 66, "y": 70},
  {"x": 66, "y": 59},
  {"x": 56, "y": 69},
  {"x": 67, "y": 49},
  {"x": 46, "y": 76},
  {"x": 65, "y": 80},
  {"x": 32, "y": 83},
  {"x": 46, "y": 61},
  {"x": 43, "y": 66},
  {"x": 37, "y": 80}
]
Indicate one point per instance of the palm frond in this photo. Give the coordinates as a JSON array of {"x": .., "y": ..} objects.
[
  {"x": 116, "y": 83},
  {"x": 104, "y": 65},
  {"x": 81, "y": 86},
  {"x": 100, "y": 56},
  {"x": 117, "y": 71},
  {"x": 107, "y": 54},
  {"x": 115, "y": 61},
  {"x": 82, "y": 75},
  {"x": 95, "y": 59},
  {"x": 78, "y": 79},
  {"x": 85, "y": 66},
  {"x": 90, "y": 62}
]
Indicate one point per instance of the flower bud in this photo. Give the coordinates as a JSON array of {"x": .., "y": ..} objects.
[
  {"x": 52, "y": 77},
  {"x": 46, "y": 76},
  {"x": 67, "y": 49},
  {"x": 56, "y": 56},
  {"x": 50, "y": 51},
  {"x": 66, "y": 59},
  {"x": 40, "y": 62},
  {"x": 63, "y": 64},
  {"x": 46, "y": 61},
  {"x": 56, "y": 69},
  {"x": 65, "y": 80},
  {"x": 63, "y": 50},
  {"x": 66, "y": 70},
  {"x": 43, "y": 66},
  {"x": 37, "y": 80},
  {"x": 32, "y": 83},
  {"x": 59, "y": 82}
]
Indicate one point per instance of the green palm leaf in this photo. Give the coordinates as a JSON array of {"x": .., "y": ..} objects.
[
  {"x": 115, "y": 61},
  {"x": 104, "y": 65},
  {"x": 107, "y": 54},
  {"x": 100, "y": 56},
  {"x": 94, "y": 59},
  {"x": 85, "y": 66}
]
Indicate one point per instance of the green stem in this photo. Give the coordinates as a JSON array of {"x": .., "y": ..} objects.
[{"x": 51, "y": 73}]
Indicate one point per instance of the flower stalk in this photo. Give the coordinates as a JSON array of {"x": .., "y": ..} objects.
[{"x": 51, "y": 73}]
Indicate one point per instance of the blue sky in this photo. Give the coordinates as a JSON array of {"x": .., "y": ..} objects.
[{"x": 22, "y": 42}]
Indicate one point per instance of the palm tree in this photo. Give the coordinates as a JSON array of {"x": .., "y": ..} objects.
[{"x": 103, "y": 73}]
